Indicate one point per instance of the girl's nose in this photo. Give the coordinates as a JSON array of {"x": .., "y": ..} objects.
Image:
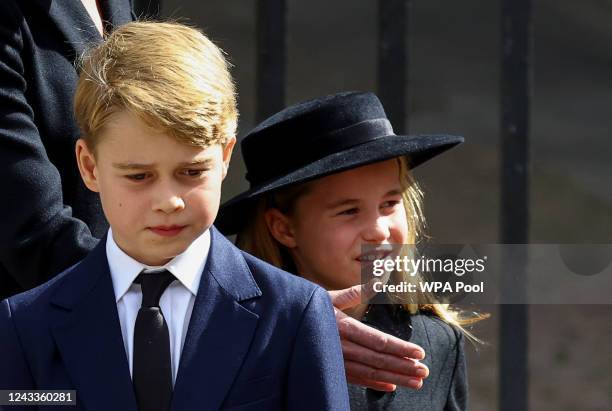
[{"x": 377, "y": 230}]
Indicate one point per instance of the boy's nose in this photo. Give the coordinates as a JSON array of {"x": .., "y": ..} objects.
[{"x": 170, "y": 204}]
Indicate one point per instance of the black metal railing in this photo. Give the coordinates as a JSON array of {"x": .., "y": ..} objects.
[
  {"x": 393, "y": 65},
  {"x": 271, "y": 27},
  {"x": 393, "y": 61},
  {"x": 515, "y": 92}
]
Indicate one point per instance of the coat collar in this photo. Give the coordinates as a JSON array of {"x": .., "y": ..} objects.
[{"x": 218, "y": 338}]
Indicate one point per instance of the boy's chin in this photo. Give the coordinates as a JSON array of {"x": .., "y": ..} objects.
[
  {"x": 162, "y": 254},
  {"x": 156, "y": 261}
]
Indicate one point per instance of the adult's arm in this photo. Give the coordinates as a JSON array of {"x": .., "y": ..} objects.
[
  {"x": 374, "y": 359},
  {"x": 39, "y": 236}
]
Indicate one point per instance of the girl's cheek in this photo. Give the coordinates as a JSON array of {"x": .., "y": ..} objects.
[
  {"x": 345, "y": 237},
  {"x": 403, "y": 231}
]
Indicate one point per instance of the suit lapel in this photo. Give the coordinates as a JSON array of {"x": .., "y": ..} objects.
[
  {"x": 220, "y": 330},
  {"x": 87, "y": 333},
  {"x": 75, "y": 24},
  {"x": 116, "y": 13}
]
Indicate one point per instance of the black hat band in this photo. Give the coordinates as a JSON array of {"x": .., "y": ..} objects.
[{"x": 321, "y": 146}]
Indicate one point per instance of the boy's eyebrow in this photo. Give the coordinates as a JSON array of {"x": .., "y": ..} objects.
[
  {"x": 141, "y": 166},
  {"x": 131, "y": 166},
  {"x": 352, "y": 201},
  {"x": 198, "y": 162}
]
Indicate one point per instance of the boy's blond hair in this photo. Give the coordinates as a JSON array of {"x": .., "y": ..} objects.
[{"x": 167, "y": 74}]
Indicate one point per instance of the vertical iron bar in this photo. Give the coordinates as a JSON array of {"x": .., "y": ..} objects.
[
  {"x": 516, "y": 44},
  {"x": 271, "y": 57},
  {"x": 393, "y": 60}
]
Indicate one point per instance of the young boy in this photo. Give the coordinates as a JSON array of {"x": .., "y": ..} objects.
[{"x": 165, "y": 312}]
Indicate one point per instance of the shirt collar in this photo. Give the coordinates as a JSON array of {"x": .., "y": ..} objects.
[{"x": 187, "y": 267}]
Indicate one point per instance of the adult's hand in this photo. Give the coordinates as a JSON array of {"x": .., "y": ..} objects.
[{"x": 372, "y": 358}]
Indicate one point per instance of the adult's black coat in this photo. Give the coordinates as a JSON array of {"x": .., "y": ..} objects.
[{"x": 48, "y": 218}]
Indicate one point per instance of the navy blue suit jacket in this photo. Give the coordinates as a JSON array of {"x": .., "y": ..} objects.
[
  {"x": 49, "y": 219},
  {"x": 259, "y": 339}
]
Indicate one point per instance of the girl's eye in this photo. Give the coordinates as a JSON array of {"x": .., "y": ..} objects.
[
  {"x": 349, "y": 211},
  {"x": 136, "y": 177},
  {"x": 391, "y": 203}
]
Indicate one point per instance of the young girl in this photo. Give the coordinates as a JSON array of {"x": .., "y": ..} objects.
[{"x": 329, "y": 176}]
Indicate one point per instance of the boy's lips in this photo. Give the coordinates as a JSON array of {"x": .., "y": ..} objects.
[{"x": 167, "y": 231}]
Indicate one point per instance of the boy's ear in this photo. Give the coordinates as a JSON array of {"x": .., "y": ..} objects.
[
  {"x": 87, "y": 165},
  {"x": 280, "y": 227},
  {"x": 227, "y": 153}
]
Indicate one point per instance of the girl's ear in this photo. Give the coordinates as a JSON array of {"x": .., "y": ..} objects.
[
  {"x": 280, "y": 227},
  {"x": 87, "y": 165}
]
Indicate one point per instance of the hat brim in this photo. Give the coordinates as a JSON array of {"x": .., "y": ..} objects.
[{"x": 418, "y": 149}]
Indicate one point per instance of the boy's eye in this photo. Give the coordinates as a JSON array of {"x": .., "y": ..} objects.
[
  {"x": 193, "y": 172},
  {"x": 137, "y": 177}
]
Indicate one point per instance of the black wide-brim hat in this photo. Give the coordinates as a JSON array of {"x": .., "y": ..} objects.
[{"x": 320, "y": 137}]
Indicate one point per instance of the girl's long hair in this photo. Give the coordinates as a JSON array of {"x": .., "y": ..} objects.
[{"x": 256, "y": 239}]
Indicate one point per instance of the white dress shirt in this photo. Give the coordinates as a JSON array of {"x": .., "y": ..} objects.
[{"x": 176, "y": 302}]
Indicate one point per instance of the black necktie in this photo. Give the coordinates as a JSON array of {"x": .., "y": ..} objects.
[{"x": 152, "y": 370}]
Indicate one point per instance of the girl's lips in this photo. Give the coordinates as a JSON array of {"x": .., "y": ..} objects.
[
  {"x": 371, "y": 256},
  {"x": 167, "y": 231}
]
